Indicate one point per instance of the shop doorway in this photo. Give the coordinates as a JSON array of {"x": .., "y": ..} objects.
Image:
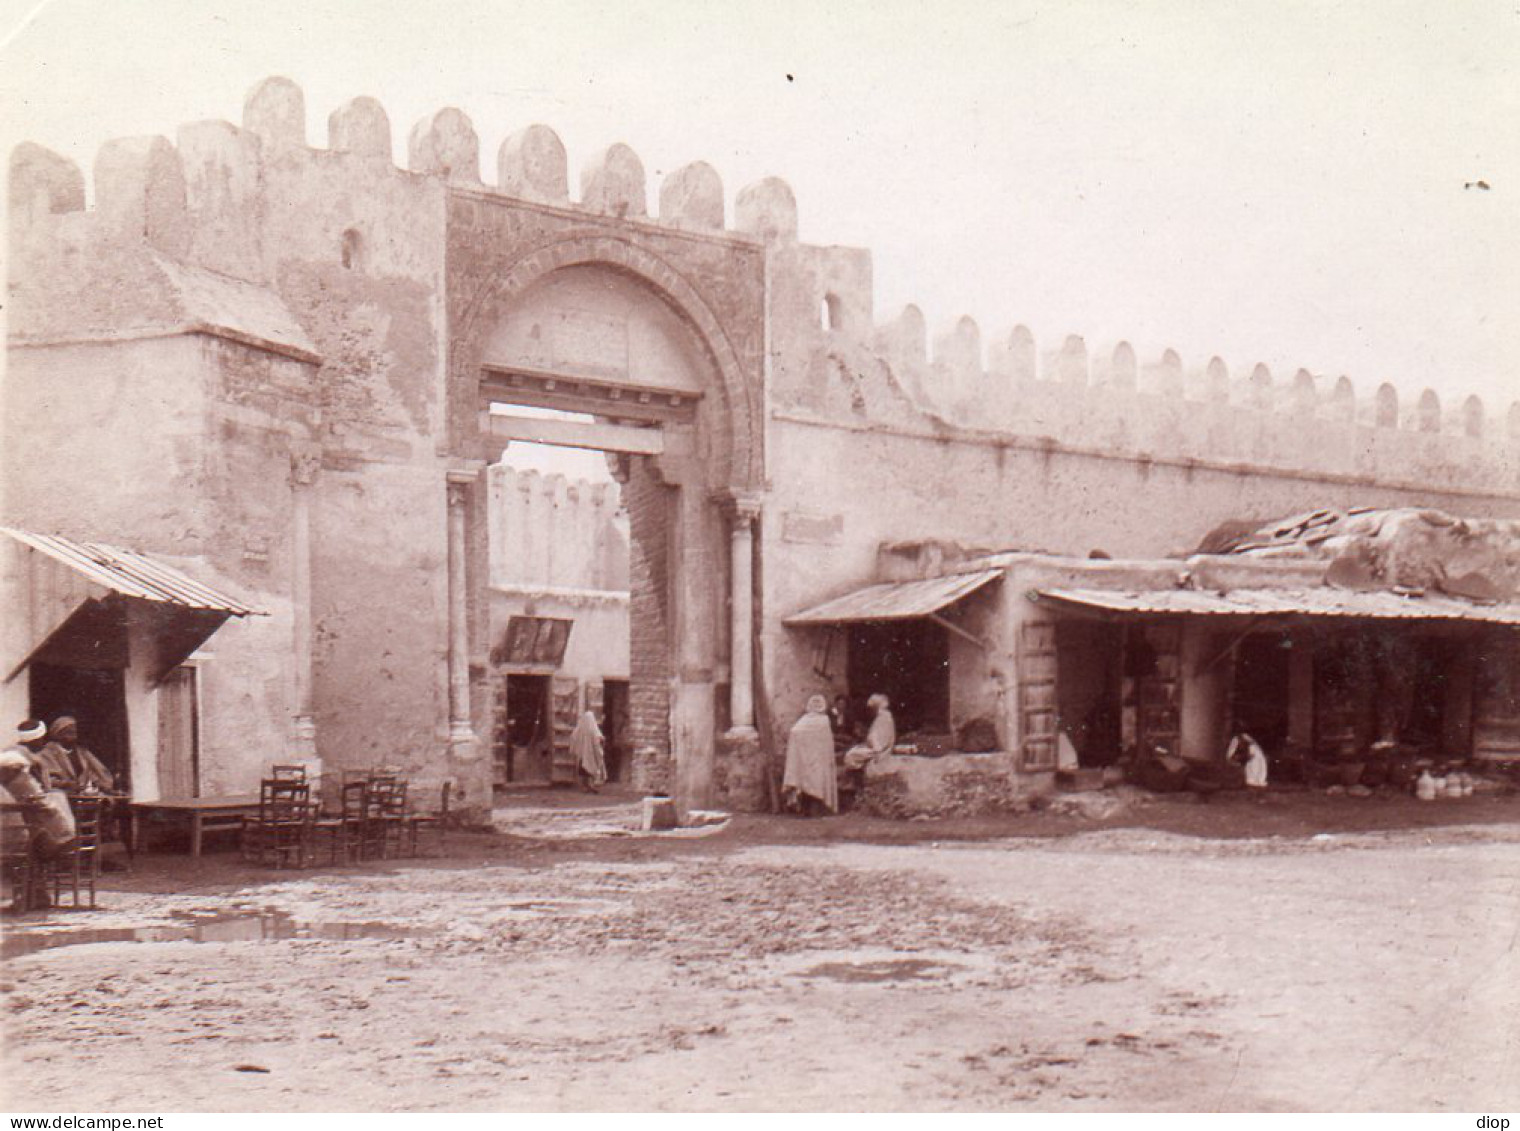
[
  {"x": 97, "y": 699},
  {"x": 528, "y": 748},
  {"x": 1090, "y": 688},
  {"x": 909, "y": 662},
  {"x": 1260, "y": 695}
]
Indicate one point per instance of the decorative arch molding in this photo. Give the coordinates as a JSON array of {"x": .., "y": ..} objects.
[{"x": 739, "y": 432}]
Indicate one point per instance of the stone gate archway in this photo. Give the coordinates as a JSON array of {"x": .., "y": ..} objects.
[{"x": 670, "y": 369}]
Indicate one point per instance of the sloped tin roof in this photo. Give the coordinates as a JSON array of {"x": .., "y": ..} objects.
[
  {"x": 897, "y": 600},
  {"x": 132, "y": 574}
]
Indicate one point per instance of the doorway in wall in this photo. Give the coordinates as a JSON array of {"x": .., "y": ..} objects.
[
  {"x": 96, "y": 698},
  {"x": 909, "y": 662},
  {"x": 529, "y": 728},
  {"x": 615, "y": 728},
  {"x": 179, "y": 761},
  {"x": 1090, "y": 688},
  {"x": 1259, "y": 697}
]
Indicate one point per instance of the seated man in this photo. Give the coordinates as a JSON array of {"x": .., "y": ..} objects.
[
  {"x": 70, "y": 766},
  {"x": 879, "y": 739},
  {"x": 48, "y": 821}
]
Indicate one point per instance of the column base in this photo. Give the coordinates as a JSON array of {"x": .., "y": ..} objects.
[
  {"x": 741, "y": 770},
  {"x": 463, "y": 743}
]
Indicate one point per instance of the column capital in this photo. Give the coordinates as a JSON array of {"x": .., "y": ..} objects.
[
  {"x": 743, "y": 507},
  {"x": 465, "y": 471},
  {"x": 459, "y": 481}
]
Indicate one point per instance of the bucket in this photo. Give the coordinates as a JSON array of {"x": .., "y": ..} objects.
[{"x": 659, "y": 813}]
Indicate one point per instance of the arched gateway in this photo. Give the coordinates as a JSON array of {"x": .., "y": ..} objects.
[{"x": 656, "y": 335}]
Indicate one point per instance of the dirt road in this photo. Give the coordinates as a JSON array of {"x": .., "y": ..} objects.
[{"x": 1119, "y": 969}]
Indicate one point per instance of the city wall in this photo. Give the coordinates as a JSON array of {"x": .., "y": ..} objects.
[{"x": 332, "y": 296}]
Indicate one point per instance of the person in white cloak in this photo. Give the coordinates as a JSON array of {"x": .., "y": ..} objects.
[
  {"x": 586, "y": 748},
  {"x": 810, "y": 781},
  {"x": 1247, "y": 753}
]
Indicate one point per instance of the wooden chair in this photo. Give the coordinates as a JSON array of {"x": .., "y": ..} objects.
[
  {"x": 342, "y": 825},
  {"x": 292, "y": 772},
  {"x": 437, "y": 822},
  {"x": 281, "y": 833},
  {"x": 77, "y": 866},
  {"x": 353, "y": 812},
  {"x": 385, "y": 818}
]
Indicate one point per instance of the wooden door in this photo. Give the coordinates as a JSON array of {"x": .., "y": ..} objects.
[
  {"x": 179, "y": 735},
  {"x": 1037, "y": 695}
]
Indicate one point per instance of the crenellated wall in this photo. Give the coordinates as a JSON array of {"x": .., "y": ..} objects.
[
  {"x": 343, "y": 305},
  {"x": 550, "y": 532}
]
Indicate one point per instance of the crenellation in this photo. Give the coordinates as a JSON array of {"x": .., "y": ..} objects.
[
  {"x": 1017, "y": 356},
  {"x": 1068, "y": 366},
  {"x": 1341, "y": 406},
  {"x": 1303, "y": 398},
  {"x": 906, "y": 339},
  {"x": 1163, "y": 377},
  {"x": 1427, "y": 412},
  {"x": 1472, "y": 420},
  {"x": 532, "y": 164},
  {"x": 445, "y": 144},
  {"x": 767, "y": 209},
  {"x": 612, "y": 182},
  {"x": 958, "y": 351},
  {"x": 1117, "y": 370},
  {"x": 140, "y": 193},
  {"x": 275, "y": 111},
  {"x": 199, "y": 199},
  {"x": 362, "y": 128},
  {"x": 1216, "y": 382},
  {"x": 1257, "y": 392},
  {"x": 43, "y": 183},
  {"x": 379, "y": 296},
  {"x": 692, "y": 197},
  {"x": 220, "y": 163}
]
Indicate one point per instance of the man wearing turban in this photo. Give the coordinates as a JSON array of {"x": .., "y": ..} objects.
[{"x": 70, "y": 766}]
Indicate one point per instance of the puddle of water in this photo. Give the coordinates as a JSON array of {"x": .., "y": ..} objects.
[
  {"x": 541, "y": 907},
  {"x": 886, "y": 970},
  {"x": 238, "y": 926}
]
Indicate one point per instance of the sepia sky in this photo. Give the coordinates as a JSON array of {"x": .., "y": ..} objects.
[{"x": 1271, "y": 180}]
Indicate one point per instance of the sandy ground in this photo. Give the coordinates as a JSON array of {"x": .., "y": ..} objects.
[{"x": 799, "y": 965}]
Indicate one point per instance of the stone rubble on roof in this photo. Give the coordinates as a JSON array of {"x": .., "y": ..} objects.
[{"x": 1406, "y": 548}]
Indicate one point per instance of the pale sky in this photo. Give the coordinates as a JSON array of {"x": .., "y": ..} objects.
[{"x": 1269, "y": 181}]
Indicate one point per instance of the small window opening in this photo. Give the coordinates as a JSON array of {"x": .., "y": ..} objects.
[
  {"x": 832, "y": 313},
  {"x": 353, "y": 250}
]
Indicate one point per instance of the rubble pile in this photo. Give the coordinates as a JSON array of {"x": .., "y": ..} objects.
[{"x": 1408, "y": 549}]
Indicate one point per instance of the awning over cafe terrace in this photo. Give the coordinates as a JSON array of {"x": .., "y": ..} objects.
[{"x": 78, "y": 598}]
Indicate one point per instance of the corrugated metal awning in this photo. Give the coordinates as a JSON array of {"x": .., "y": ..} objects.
[
  {"x": 131, "y": 574},
  {"x": 896, "y": 600},
  {"x": 1303, "y": 602}
]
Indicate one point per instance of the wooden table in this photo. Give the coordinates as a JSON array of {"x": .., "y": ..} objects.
[{"x": 202, "y": 812}]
